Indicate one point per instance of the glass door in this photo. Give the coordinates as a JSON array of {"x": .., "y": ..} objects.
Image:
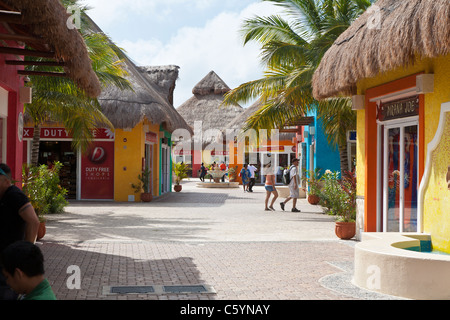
[{"x": 400, "y": 177}]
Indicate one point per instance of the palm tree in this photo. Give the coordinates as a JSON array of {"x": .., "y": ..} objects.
[
  {"x": 291, "y": 50},
  {"x": 59, "y": 99}
]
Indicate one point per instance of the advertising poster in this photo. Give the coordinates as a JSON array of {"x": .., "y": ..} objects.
[{"x": 97, "y": 172}]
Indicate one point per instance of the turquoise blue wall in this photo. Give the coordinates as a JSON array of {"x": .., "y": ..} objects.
[
  {"x": 169, "y": 136},
  {"x": 325, "y": 157}
]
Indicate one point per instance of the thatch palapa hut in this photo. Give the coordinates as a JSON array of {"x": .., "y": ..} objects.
[
  {"x": 394, "y": 61},
  {"x": 205, "y": 104},
  {"x": 144, "y": 119},
  {"x": 391, "y": 34},
  {"x": 205, "y": 108}
]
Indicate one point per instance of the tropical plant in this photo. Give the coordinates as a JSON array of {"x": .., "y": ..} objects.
[
  {"x": 314, "y": 179},
  {"x": 180, "y": 170},
  {"x": 59, "y": 99},
  {"x": 41, "y": 185},
  {"x": 339, "y": 195},
  {"x": 144, "y": 181},
  {"x": 291, "y": 50}
]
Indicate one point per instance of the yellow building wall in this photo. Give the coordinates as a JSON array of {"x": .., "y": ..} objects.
[
  {"x": 437, "y": 194},
  {"x": 440, "y": 67},
  {"x": 129, "y": 152}
]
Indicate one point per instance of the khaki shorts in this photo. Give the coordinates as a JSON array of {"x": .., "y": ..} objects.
[{"x": 294, "y": 192}]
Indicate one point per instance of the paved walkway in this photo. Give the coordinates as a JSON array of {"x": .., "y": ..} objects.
[{"x": 221, "y": 239}]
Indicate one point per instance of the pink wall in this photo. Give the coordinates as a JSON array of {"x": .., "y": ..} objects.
[{"x": 10, "y": 81}]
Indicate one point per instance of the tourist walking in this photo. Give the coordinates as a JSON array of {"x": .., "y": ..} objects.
[
  {"x": 19, "y": 221},
  {"x": 251, "y": 183},
  {"x": 223, "y": 167},
  {"x": 294, "y": 191},
  {"x": 203, "y": 172},
  {"x": 270, "y": 187},
  {"x": 245, "y": 176}
]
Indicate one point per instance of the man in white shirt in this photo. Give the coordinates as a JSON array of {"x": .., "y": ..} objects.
[
  {"x": 252, "y": 169},
  {"x": 294, "y": 191}
]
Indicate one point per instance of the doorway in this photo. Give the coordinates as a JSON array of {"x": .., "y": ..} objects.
[
  {"x": 398, "y": 161},
  {"x": 165, "y": 169},
  {"x": 148, "y": 163},
  {"x": 51, "y": 151}
]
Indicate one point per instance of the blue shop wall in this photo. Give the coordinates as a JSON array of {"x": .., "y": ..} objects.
[{"x": 325, "y": 156}]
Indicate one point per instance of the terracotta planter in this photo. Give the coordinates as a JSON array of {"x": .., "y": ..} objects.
[
  {"x": 146, "y": 197},
  {"x": 177, "y": 187},
  {"x": 41, "y": 231},
  {"x": 313, "y": 199},
  {"x": 345, "y": 230}
]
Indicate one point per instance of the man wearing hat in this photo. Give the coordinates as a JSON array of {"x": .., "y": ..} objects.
[{"x": 294, "y": 192}]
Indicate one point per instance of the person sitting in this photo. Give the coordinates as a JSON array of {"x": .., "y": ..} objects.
[{"x": 23, "y": 266}]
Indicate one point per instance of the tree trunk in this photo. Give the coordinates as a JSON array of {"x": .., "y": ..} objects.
[
  {"x": 343, "y": 156},
  {"x": 35, "y": 145}
]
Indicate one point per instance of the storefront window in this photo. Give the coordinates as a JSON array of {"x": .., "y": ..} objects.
[{"x": 400, "y": 177}]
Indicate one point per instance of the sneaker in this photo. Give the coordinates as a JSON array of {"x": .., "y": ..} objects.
[
  {"x": 295, "y": 210},
  {"x": 282, "y": 205}
]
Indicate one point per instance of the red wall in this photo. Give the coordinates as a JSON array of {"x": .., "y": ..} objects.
[{"x": 10, "y": 81}]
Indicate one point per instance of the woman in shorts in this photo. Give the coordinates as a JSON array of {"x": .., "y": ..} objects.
[{"x": 270, "y": 187}]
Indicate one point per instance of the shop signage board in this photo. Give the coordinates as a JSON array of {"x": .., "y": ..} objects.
[
  {"x": 398, "y": 109},
  {"x": 64, "y": 134},
  {"x": 97, "y": 172}
]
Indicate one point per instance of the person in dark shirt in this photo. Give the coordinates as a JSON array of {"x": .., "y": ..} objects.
[
  {"x": 23, "y": 268},
  {"x": 18, "y": 220}
]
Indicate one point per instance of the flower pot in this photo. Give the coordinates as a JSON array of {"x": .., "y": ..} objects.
[
  {"x": 345, "y": 230},
  {"x": 41, "y": 231},
  {"x": 146, "y": 197},
  {"x": 313, "y": 199},
  {"x": 177, "y": 187}
]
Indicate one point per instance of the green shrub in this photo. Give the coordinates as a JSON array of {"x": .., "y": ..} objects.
[
  {"x": 42, "y": 186},
  {"x": 338, "y": 196}
]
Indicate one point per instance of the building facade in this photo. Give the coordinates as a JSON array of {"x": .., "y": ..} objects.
[{"x": 401, "y": 102}]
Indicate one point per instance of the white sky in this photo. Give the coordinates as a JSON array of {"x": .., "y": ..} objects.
[{"x": 196, "y": 35}]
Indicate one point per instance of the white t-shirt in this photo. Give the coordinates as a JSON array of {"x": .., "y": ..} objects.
[
  {"x": 293, "y": 175},
  {"x": 252, "y": 171}
]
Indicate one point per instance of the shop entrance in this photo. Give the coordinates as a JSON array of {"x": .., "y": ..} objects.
[
  {"x": 399, "y": 147},
  {"x": 51, "y": 151}
]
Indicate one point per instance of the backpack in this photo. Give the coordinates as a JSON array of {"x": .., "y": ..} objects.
[{"x": 287, "y": 176}]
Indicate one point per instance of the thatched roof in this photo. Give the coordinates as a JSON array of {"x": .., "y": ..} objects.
[
  {"x": 211, "y": 84},
  {"x": 43, "y": 26},
  {"x": 126, "y": 108},
  {"x": 149, "y": 97},
  {"x": 206, "y": 106},
  {"x": 407, "y": 30},
  {"x": 164, "y": 77}
]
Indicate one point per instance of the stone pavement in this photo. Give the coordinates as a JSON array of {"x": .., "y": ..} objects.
[{"x": 221, "y": 239}]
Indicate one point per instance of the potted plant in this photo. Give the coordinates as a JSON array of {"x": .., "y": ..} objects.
[
  {"x": 143, "y": 186},
  {"x": 232, "y": 173},
  {"x": 313, "y": 180},
  {"x": 34, "y": 186},
  {"x": 338, "y": 196},
  {"x": 180, "y": 171}
]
